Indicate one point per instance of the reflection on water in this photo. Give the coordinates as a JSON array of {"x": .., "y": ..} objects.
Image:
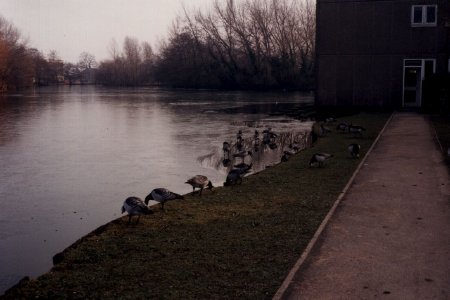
[
  {"x": 69, "y": 156},
  {"x": 263, "y": 154}
]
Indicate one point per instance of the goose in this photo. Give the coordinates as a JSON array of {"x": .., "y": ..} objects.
[
  {"x": 330, "y": 120},
  {"x": 353, "y": 149},
  {"x": 226, "y": 149},
  {"x": 134, "y": 206},
  {"x": 285, "y": 157},
  {"x": 242, "y": 154},
  {"x": 273, "y": 146},
  {"x": 256, "y": 138},
  {"x": 233, "y": 177},
  {"x": 266, "y": 138},
  {"x": 290, "y": 150},
  {"x": 162, "y": 195},
  {"x": 324, "y": 130},
  {"x": 226, "y": 162},
  {"x": 295, "y": 147},
  {"x": 356, "y": 130},
  {"x": 201, "y": 182},
  {"x": 239, "y": 136},
  {"x": 342, "y": 126},
  {"x": 319, "y": 158},
  {"x": 243, "y": 167}
]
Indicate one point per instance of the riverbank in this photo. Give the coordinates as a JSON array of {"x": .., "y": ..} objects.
[{"x": 236, "y": 242}]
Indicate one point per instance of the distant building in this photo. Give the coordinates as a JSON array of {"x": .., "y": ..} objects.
[{"x": 390, "y": 53}]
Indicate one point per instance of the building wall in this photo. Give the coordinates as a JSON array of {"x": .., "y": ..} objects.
[{"x": 361, "y": 45}]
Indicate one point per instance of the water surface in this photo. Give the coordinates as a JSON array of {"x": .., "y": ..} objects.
[{"x": 69, "y": 156}]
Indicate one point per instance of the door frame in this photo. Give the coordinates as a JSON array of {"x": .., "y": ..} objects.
[{"x": 420, "y": 64}]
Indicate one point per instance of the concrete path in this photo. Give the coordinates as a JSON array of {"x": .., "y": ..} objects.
[{"x": 390, "y": 235}]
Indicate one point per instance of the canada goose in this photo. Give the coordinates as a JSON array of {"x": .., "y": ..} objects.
[
  {"x": 342, "y": 126},
  {"x": 226, "y": 162},
  {"x": 243, "y": 168},
  {"x": 201, "y": 182},
  {"x": 226, "y": 149},
  {"x": 134, "y": 206},
  {"x": 330, "y": 120},
  {"x": 356, "y": 130},
  {"x": 324, "y": 130},
  {"x": 285, "y": 157},
  {"x": 239, "y": 136},
  {"x": 162, "y": 195},
  {"x": 233, "y": 177},
  {"x": 353, "y": 149},
  {"x": 242, "y": 154},
  {"x": 319, "y": 158},
  {"x": 294, "y": 147}
]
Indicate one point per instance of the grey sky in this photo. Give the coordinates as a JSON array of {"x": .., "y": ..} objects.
[{"x": 73, "y": 26}]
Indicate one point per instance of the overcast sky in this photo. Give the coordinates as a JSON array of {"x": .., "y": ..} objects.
[{"x": 73, "y": 26}]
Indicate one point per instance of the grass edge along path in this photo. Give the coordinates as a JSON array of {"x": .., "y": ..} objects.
[{"x": 236, "y": 242}]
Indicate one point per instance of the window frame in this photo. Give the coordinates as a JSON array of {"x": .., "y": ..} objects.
[{"x": 424, "y": 22}]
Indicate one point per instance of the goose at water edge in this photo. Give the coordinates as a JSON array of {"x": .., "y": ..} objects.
[
  {"x": 319, "y": 158},
  {"x": 226, "y": 149},
  {"x": 134, "y": 206},
  {"x": 201, "y": 182},
  {"x": 353, "y": 149},
  {"x": 233, "y": 177},
  {"x": 242, "y": 154},
  {"x": 162, "y": 195}
]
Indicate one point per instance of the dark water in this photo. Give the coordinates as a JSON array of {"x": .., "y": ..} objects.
[{"x": 69, "y": 156}]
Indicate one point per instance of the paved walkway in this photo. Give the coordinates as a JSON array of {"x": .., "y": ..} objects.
[{"x": 390, "y": 235}]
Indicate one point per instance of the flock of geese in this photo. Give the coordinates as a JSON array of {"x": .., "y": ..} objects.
[{"x": 134, "y": 206}]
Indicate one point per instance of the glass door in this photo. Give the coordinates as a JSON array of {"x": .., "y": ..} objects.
[
  {"x": 412, "y": 85},
  {"x": 415, "y": 71}
]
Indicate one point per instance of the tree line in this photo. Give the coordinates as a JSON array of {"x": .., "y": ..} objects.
[{"x": 252, "y": 44}]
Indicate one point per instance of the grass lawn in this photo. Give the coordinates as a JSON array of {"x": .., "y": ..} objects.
[{"x": 236, "y": 242}]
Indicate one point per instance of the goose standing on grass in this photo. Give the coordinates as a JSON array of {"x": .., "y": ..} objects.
[
  {"x": 134, "y": 206},
  {"x": 319, "y": 158},
  {"x": 356, "y": 130},
  {"x": 233, "y": 177},
  {"x": 201, "y": 182},
  {"x": 285, "y": 157},
  {"x": 353, "y": 149},
  {"x": 324, "y": 130},
  {"x": 243, "y": 168},
  {"x": 162, "y": 195},
  {"x": 342, "y": 127}
]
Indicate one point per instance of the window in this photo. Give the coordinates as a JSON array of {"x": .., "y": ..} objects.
[{"x": 423, "y": 15}]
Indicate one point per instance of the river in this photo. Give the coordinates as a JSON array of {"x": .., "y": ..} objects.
[{"x": 69, "y": 156}]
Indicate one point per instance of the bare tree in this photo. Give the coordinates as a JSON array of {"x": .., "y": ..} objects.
[{"x": 87, "y": 61}]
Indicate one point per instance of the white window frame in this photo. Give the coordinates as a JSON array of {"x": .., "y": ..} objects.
[{"x": 424, "y": 22}]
